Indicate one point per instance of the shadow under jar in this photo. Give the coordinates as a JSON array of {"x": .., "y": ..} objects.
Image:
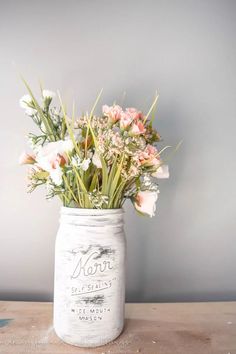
[{"x": 89, "y": 284}]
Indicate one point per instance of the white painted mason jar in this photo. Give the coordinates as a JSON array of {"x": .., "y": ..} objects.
[{"x": 89, "y": 285}]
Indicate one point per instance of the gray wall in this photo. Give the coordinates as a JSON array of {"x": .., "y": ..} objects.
[{"x": 186, "y": 50}]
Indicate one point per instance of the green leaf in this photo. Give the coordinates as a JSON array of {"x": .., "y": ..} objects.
[
  {"x": 115, "y": 181},
  {"x": 117, "y": 197},
  {"x": 70, "y": 131},
  {"x": 104, "y": 176},
  {"x": 94, "y": 181},
  {"x": 151, "y": 108},
  {"x": 83, "y": 188},
  {"x": 138, "y": 183},
  {"x": 117, "y": 176},
  {"x": 164, "y": 148},
  {"x": 41, "y": 175},
  {"x": 171, "y": 154},
  {"x": 112, "y": 173},
  {"x": 69, "y": 188},
  {"x": 95, "y": 104},
  {"x": 89, "y": 120}
]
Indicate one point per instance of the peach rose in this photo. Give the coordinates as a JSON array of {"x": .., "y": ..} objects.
[
  {"x": 162, "y": 172},
  {"x": 137, "y": 128},
  {"x": 145, "y": 202},
  {"x": 26, "y": 159}
]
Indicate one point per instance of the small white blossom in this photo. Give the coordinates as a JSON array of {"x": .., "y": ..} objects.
[
  {"x": 25, "y": 101},
  {"x": 85, "y": 164},
  {"x": 98, "y": 200},
  {"x": 30, "y": 111},
  {"x": 48, "y": 94},
  {"x": 76, "y": 161}
]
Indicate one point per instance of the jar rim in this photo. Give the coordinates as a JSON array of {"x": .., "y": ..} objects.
[{"x": 90, "y": 212}]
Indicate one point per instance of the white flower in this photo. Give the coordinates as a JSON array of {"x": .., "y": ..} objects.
[
  {"x": 96, "y": 160},
  {"x": 25, "y": 101},
  {"x": 52, "y": 157},
  {"x": 162, "y": 172},
  {"x": 30, "y": 111},
  {"x": 145, "y": 202},
  {"x": 48, "y": 94},
  {"x": 66, "y": 145},
  {"x": 85, "y": 164}
]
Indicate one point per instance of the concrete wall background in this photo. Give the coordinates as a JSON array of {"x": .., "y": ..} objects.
[{"x": 186, "y": 50}]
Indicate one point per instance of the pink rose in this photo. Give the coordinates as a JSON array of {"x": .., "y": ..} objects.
[
  {"x": 134, "y": 113},
  {"x": 145, "y": 202},
  {"x": 125, "y": 120},
  {"x": 112, "y": 112}
]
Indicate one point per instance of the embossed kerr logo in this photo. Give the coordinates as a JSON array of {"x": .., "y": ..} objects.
[{"x": 90, "y": 264}]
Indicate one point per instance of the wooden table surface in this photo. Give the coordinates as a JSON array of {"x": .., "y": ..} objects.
[{"x": 176, "y": 328}]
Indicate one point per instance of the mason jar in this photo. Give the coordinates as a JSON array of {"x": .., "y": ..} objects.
[{"x": 89, "y": 285}]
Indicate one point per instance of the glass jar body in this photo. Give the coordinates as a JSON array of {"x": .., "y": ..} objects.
[{"x": 89, "y": 283}]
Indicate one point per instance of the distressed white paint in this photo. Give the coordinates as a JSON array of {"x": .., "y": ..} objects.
[{"x": 89, "y": 288}]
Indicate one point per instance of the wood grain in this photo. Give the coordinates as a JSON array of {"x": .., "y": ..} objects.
[{"x": 182, "y": 328}]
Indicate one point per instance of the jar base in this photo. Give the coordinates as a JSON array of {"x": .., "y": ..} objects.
[{"x": 89, "y": 344}]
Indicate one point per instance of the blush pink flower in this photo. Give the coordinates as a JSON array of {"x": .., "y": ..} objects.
[
  {"x": 149, "y": 156},
  {"x": 137, "y": 128},
  {"x": 59, "y": 160},
  {"x": 112, "y": 112}
]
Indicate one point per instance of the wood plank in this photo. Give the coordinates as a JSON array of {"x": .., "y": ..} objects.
[{"x": 182, "y": 328}]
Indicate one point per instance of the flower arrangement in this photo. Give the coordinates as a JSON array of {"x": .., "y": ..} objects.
[{"x": 94, "y": 161}]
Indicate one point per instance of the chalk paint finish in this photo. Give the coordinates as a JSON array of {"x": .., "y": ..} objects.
[{"x": 89, "y": 287}]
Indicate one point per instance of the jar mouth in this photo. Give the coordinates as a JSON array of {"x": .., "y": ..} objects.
[
  {"x": 91, "y": 212},
  {"x": 92, "y": 217}
]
